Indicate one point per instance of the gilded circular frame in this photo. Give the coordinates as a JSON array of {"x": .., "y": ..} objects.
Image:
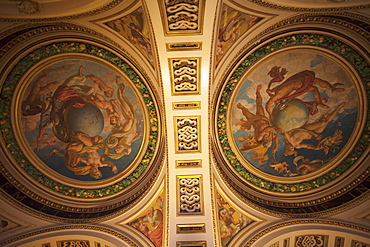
[
  {"x": 84, "y": 60},
  {"x": 264, "y": 75}
]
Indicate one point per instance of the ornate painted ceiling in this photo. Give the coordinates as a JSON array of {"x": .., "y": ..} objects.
[{"x": 184, "y": 123}]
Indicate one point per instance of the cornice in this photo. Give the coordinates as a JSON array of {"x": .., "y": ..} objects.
[
  {"x": 109, "y": 6},
  {"x": 265, "y": 4},
  {"x": 71, "y": 227},
  {"x": 304, "y": 222}
]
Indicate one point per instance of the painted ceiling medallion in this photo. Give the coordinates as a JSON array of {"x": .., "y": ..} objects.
[
  {"x": 291, "y": 113},
  {"x": 84, "y": 125}
]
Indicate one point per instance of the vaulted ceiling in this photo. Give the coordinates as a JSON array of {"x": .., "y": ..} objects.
[{"x": 184, "y": 123}]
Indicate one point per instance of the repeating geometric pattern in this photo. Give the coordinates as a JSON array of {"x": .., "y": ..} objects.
[
  {"x": 184, "y": 75},
  {"x": 189, "y": 195},
  {"x": 187, "y": 134},
  {"x": 182, "y": 16},
  {"x": 311, "y": 241}
]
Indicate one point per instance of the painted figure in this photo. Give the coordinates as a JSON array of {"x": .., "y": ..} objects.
[
  {"x": 124, "y": 132},
  {"x": 294, "y": 138},
  {"x": 74, "y": 156},
  {"x": 69, "y": 119},
  {"x": 295, "y": 86},
  {"x": 35, "y": 102},
  {"x": 300, "y": 113},
  {"x": 229, "y": 226},
  {"x": 307, "y": 166},
  {"x": 263, "y": 131},
  {"x": 73, "y": 93}
]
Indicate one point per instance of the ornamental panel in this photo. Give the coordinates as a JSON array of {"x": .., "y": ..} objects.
[
  {"x": 185, "y": 74},
  {"x": 182, "y": 17},
  {"x": 311, "y": 241},
  {"x": 187, "y": 134},
  {"x": 190, "y": 195}
]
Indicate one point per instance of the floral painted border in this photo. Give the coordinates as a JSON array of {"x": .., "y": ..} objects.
[
  {"x": 306, "y": 39},
  {"x": 54, "y": 49}
]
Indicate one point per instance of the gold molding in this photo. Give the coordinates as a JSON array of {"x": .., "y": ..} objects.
[
  {"x": 264, "y": 3},
  {"x": 112, "y": 4},
  {"x": 242, "y": 195},
  {"x": 302, "y": 18},
  {"x": 186, "y": 105},
  {"x": 189, "y": 195},
  {"x": 184, "y": 46},
  {"x": 191, "y": 244},
  {"x": 339, "y": 241},
  {"x": 190, "y": 228},
  {"x": 187, "y": 134},
  {"x": 188, "y": 163},
  {"x": 70, "y": 227},
  {"x": 254, "y": 238},
  {"x": 286, "y": 242},
  {"x": 185, "y": 75}
]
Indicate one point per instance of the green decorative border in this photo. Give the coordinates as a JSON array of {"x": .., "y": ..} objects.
[
  {"x": 74, "y": 48},
  {"x": 307, "y": 39}
]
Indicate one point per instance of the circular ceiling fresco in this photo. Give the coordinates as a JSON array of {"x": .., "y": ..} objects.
[
  {"x": 285, "y": 112},
  {"x": 85, "y": 115},
  {"x": 291, "y": 117},
  {"x": 82, "y": 122}
]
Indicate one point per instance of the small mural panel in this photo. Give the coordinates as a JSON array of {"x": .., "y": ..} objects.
[
  {"x": 230, "y": 220},
  {"x": 150, "y": 223},
  {"x": 136, "y": 29},
  {"x": 232, "y": 25}
]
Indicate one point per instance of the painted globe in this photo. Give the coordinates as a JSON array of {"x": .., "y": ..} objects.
[
  {"x": 290, "y": 115},
  {"x": 88, "y": 119}
]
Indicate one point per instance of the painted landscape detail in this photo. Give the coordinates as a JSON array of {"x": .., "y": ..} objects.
[
  {"x": 294, "y": 113},
  {"x": 82, "y": 119}
]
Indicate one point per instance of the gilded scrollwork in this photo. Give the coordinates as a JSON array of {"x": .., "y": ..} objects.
[
  {"x": 187, "y": 137},
  {"x": 189, "y": 195},
  {"x": 311, "y": 241},
  {"x": 183, "y": 17},
  {"x": 184, "y": 75}
]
